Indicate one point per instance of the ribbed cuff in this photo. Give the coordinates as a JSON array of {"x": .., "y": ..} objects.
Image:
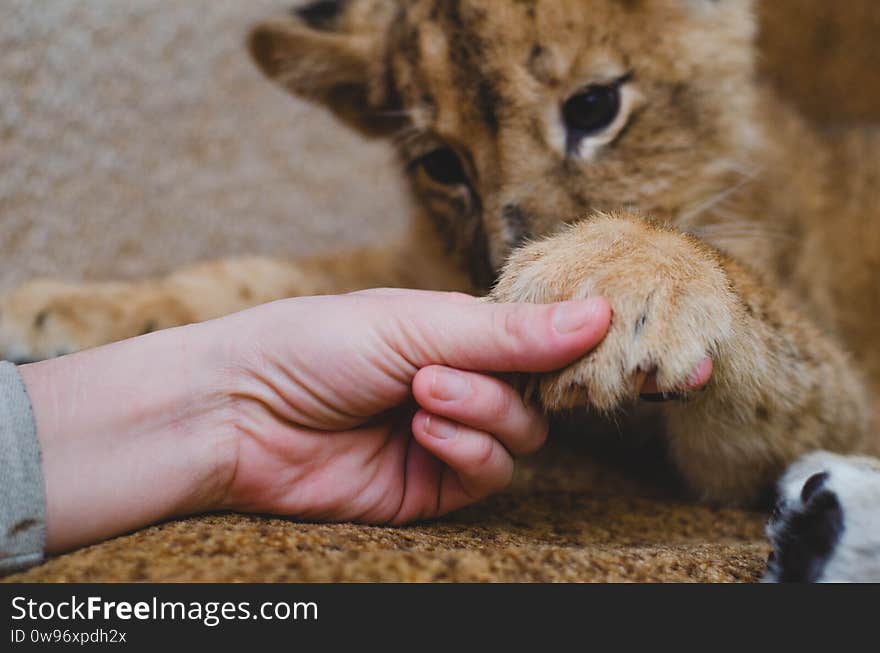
[{"x": 22, "y": 493}]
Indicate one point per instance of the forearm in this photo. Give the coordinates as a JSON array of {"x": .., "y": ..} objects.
[{"x": 131, "y": 433}]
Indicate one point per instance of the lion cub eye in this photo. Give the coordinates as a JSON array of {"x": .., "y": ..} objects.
[
  {"x": 444, "y": 167},
  {"x": 592, "y": 110}
]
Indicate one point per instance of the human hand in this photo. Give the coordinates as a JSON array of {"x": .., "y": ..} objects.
[
  {"x": 376, "y": 407},
  {"x": 302, "y": 407}
]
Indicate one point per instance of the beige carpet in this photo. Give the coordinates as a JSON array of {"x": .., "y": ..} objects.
[
  {"x": 567, "y": 518},
  {"x": 135, "y": 137}
]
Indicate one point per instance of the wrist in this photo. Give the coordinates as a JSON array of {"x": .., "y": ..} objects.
[{"x": 131, "y": 434}]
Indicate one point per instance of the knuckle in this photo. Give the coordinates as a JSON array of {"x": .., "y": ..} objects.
[
  {"x": 498, "y": 404},
  {"x": 513, "y": 329},
  {"x": 505, "y": 478},
  {"x": 513, "y": 324},
  {"x": 534, "y": 434},
  {"x": 484, "y": 452},
  {"x": 540, "y": 433}
]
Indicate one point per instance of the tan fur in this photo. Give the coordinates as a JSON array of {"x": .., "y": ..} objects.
[
  {"x": 44, "y": 318},
  {"x": 712, "y": 217}
]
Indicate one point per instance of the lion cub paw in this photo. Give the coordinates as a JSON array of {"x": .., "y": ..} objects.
[
  {"x": 44, "y": 319},
  {"x": 672, "y": 305}
]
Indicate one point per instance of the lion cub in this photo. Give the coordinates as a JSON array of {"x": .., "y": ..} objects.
[{"x": 567, "y": 148}]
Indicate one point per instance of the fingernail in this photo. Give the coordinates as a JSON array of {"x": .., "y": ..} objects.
[
  {"x": 440, "y": 428},
  {"x": 449, "y": 386},
  {"x": 574, "y": 316}
]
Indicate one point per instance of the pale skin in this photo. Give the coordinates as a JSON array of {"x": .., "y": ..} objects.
[{"x": 376, "y": 407}]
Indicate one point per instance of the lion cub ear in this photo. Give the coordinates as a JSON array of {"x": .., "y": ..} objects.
[{"x": 341, "y": 70}]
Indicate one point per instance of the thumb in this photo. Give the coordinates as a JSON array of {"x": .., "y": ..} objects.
[{"x": 501, "y": 337}]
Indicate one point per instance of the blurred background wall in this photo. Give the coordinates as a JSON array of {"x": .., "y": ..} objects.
[{"x": 136, "y": 136}]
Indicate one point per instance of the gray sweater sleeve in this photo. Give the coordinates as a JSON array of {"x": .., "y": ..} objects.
[{"x": 22, "y": 495}]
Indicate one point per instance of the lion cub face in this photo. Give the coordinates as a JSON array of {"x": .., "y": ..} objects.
[{"x": 513, "y": 117}]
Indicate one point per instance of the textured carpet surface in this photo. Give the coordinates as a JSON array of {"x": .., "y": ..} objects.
[
  {"x": 596, "y": 539},
  {"x": 136, "y": 137},
  {"x": 567, "y": 518}
]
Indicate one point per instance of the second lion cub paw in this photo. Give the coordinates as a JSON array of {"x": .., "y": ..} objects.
[
  {"x": 673, "y": 306},
  {"x": 43, "y": 319}
]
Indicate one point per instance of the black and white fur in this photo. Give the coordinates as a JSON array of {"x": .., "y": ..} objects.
[{"x": 826, "y": 525}]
